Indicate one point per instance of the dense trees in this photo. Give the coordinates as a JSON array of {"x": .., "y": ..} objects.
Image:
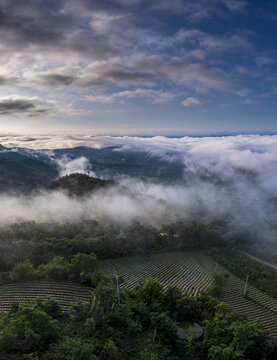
[
  {"x": 23, "y": 272},
  {"x": 141, "y": 327},
  {"x": 28, "y": 330},
  {"x": 108, "y": 330},
  {"x": 79, "y": 184},
  {"x": 80, "y": 268},
  {"x": 40, "y": 243},
  {"x": 261, "y": 276}
]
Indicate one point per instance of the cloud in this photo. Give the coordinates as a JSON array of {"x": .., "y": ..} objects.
[
  {"x": 54, "y": 79},
  {"x": 101, "y": 73},
  {"x": 269, "y": 93},
  {"x": 69, "y": 166},
  {"x": 17, "y": 104},
  {"x": 157, "y": 96},
  {"x": 249, "y": 101},
  {"x": 265, "y": 60},
  {"x": 208, "y": 43},
  {"x": 201, "y": 9},
  {"x": 244, "y": 92},
  {"x": 70, "y": 49},
  {"x": 191, "y": 101},
  {"x": 139, "y": 69},
  {"x": 33, "y": 106},
  {"x": 243, "y": 165},
  {"x": 8, "y": 80},
  {"x": 250, "y": 152},
  {"x": 182, "y": 71}
]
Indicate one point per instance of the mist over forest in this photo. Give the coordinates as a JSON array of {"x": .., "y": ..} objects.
[{"x": 158, "y": 180}]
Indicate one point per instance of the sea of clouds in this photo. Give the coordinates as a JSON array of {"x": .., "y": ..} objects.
[{"x": 245, "y": 167}]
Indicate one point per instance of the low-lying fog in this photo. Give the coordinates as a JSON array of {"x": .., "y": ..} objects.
[{"x": 242, "y": 181}]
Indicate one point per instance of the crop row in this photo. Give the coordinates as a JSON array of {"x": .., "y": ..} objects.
[
  {"x": 238, "y": 284},
  {"x": 256, "y": 306},
  {"x": 193, "y": 273},
  {"x": 65, "y": 293},
  {"x": 253, "y": 311},
  {"x": 182, "y": 270}
]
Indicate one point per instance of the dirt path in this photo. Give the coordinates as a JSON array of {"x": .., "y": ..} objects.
[{"x": 259, "y": 260}]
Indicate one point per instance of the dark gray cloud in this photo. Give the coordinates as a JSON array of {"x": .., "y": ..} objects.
[
  {"x": 183, "y": 71},
  {"x": 8, "y": 80},
  {"x": 54, "y": 79},
  {"x": 29, "y": 106},
  {"x": 50, "y": 26},
  {"x": 113, "y": 75},
  {"x": 126, "y": 44},
  {"x": 140, "y": 69}
]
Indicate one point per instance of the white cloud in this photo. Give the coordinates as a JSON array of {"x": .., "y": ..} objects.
[
  {"x": 191, "y": 101},
  {"x": 157, "y": 96},
  {"x": 249, "y": 101},
  {"x": 265, "y": 60},
  {"x": 245, "y": 165},
  {"x": 250, "y": 152},
  {"x": 244, "y": 92},
  {"x": 70, "y": 166}
]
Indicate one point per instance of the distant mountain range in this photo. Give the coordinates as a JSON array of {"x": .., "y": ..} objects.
[
  {"x": 112, "y": 162},
  {"x": 24, "y": 170},
  {"x": 20, "y": 172}
]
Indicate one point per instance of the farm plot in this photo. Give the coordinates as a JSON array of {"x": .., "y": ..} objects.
[
  {"x": 256, "y": 306},
  {"x": 253, "y": 311},
  {"x": 65, "y": 293},
  {"x": 192, "y": 272},
  {"x": 181, "y": 269},
  {"x": 238, "y": 284}
]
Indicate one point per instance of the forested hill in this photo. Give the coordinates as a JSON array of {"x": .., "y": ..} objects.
[
  {"x": 22, "y": 172},
  {"x": 79, "y": 184}
]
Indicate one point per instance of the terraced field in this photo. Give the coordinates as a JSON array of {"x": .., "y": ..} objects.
[
  {"x": 65, "y": 293},
  {"x": 193, "y": 273},
  {"x": 183, "y": 270},
  {"x": 256, "y": 305}
]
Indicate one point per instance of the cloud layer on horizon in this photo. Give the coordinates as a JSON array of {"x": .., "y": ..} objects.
[
  {"x": 223, "y": 155},
  {"x": 227, "y": 175}
]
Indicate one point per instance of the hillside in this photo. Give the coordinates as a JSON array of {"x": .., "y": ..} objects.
[
  {"x": 193, "y": 272},
  {"x": 65, "y": 292},
  {"x": 79, "y": 184},
  {"x": 22, "y": 173},
  {"x": 114, "y": 161}
]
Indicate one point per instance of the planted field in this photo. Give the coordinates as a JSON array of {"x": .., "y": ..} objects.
[
  {"x": 183, "y": 270},
  {"x": 193, "y": 273},
  {"x": 252, "y": 310},
  {"x": 65, "y": 293},
  {"x": 256, "y": 305}
]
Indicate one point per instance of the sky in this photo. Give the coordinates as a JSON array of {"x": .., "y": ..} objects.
[{"x": 160, "y": 67}]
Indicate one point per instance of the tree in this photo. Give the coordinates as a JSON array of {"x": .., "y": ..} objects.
[
  {"x": 150, "y": 292},
  {"x": 28, "y": 330},
  {"x": 170, "y": 298},
  {"x": 188, "y": 307},
  {"x": 231, "y": 336},
  {"x": 165, "y": 327},
  {"x": 109, "y": 351},
  {"x": 70, "y": 349},
  {"x": 83, "y": 263},
  {"x": 56, "y": 269},
  {"x": 23, "y": 272},
  {"x": 252, "y": 340},
  {"x": 51, "y": 306},
  {"x": 224, "y": 352},
  {"x": 105, "y": 297}
]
